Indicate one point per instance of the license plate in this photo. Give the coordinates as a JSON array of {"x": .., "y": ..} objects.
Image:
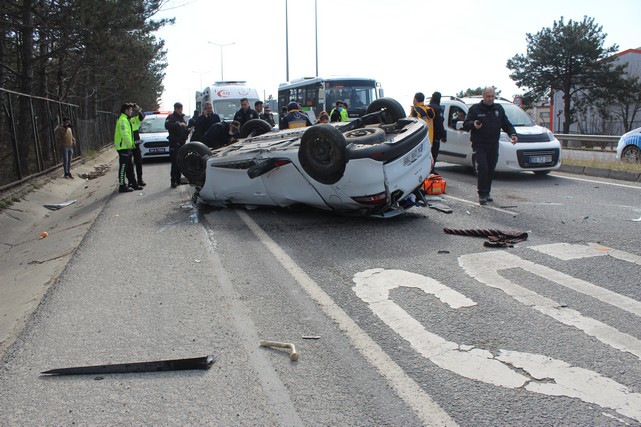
[
  {"x": 413, "y": 155},
  {"x": 157, "y": 150},
  {"x": 541, "y": 159}
]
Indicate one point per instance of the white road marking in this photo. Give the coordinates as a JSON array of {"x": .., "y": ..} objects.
[
  {"x": 405, "y": 387},
  {"x": 568, "y": 251},
  {"x": 489, "y": 206},
  {"x": 484, "y": 267},
  {"x": 594, "y": 181},
  {"x": 511, "y": 369}
]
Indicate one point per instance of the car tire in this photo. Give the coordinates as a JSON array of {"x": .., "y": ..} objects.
[
  {"x": 192, "y": 161},
  {"x": 631, "y": 154},
  {"x": 541, "y": 173},
  {"x": 254, "y": 127},
  {"x": 394, "y": 110},
  {"x": 365, "y": 136},
  {"x": 322, "y": 153}
]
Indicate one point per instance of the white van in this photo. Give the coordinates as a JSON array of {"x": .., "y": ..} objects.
[
  {"x": 537, "y": 151},
  {"x": 225, "y": 97}
]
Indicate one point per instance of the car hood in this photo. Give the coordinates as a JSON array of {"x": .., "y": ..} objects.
[
  {"x": 154, "y": 136},
  {"x": 632, "y": 132},
  {"x": 530, "y": 130}
]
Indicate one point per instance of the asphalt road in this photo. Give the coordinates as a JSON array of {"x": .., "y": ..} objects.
[{"x": 395, "y": 322}]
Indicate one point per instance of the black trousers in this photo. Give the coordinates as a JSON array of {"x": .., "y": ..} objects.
[
  {"x": 138, "y": 162},
  {"x": 485, "y": 158},
  {"x": 173, "y": 155},
  {"x": 125, "y": 167}
]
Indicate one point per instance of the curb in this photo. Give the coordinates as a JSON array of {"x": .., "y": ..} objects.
[{"x": 621, "y": 175}]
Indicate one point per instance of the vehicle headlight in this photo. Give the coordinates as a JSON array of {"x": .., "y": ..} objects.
[
  {"x": 551, "y": 135},
  {"x": 505, "y": 138}
]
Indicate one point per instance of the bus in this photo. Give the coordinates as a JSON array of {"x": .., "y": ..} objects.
[
  {"x": 225, "y": 96},
  {"x": 317, "y": 94}
]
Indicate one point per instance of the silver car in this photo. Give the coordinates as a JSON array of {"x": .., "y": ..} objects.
[{"x": 372, "y": 166}]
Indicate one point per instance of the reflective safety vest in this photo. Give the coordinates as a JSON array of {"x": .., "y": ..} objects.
[
  {"x": 427, "y": 114},
  {"x": 123, "y": 135}
]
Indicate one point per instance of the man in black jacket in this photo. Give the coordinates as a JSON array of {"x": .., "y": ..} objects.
[
  {"x": 178, "y": 133},
  {"x": 439, "y": 129},
  {"x": 485, "y": 121},
  {"x": 221, "y": 134},
  {"x": 204, "y": 121},
  {"x": 245, "y": 113}
]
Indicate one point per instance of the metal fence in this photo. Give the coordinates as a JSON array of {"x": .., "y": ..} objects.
[{"x": 27, "y": 146}]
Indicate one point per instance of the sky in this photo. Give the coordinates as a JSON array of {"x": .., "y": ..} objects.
[{"x": 406, "y": 45}]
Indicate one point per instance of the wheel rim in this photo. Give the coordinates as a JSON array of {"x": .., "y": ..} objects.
[{"x": 631, "y": 155}]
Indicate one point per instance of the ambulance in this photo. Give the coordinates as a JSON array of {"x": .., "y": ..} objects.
[{"x": 225, "y": 97}]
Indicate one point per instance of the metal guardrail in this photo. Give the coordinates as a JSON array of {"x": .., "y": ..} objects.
[
  {"x": 573, "y": 140},
  {"x": 588, "y": 138}
]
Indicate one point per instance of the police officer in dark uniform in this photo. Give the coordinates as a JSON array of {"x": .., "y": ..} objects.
[
  {"x": 178, "y": 133},
  {"x": 245, "y": 113},
  {"x": 485, "y": 121},
  {"x": 221, "y": 134}
]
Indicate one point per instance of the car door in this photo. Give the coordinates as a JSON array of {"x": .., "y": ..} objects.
[{"x": 458, "y": 148}]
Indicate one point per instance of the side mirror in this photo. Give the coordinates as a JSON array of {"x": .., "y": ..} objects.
[{"x": 459, "y": 125}]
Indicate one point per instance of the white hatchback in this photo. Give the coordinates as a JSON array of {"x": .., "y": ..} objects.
[
  {"x": 537, "y": 151},
  {"x": 153, "y": 135}
]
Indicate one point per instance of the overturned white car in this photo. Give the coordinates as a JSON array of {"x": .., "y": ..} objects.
[{"x": 371, "y": 166}]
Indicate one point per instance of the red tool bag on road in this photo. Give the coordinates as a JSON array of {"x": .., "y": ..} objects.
[{"x": 434, "y": 184}]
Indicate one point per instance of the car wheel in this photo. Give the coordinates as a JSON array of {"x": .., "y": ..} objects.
[
  {"x": 394, "y": 110},
  {"x": 322, "y": 153},
  {"x": 541, "y": 173},
  {"x": 631, "y": 154},
  {"x": 365, "y": 136},
  {"x": 192, "y": 161},
  {"x": 254, "y": 127}
]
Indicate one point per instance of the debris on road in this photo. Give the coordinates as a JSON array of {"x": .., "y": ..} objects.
[
  {"x": 43, "y": 234},
  {"x": 204, "y": 362},
  {"x": 56, "y": 206},
  {"x": 292, "y": 356},
  {"x": 311, "y": 337},
  {"x": 99, "y": 170},
  {"x": 496, "y": 238}
]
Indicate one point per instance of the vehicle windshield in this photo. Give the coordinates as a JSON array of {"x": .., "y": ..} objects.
[
  {"x": 517, "y": 116},
  {"x": 227, "y": 108},
  {"x": 357, "y": 93},
  {"x": 153, "y": 125}
]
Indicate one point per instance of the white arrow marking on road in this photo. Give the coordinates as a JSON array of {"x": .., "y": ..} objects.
[
  {"x": 484, "y": 267},
  {"x": 545, "y": 375}
]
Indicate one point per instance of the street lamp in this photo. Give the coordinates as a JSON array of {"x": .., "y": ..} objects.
[
  {"x": 200, "y": 73},
  {"x": 221, "y": 46}
]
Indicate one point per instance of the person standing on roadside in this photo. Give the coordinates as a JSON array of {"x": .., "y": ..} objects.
[
  {"x": 124, "y": 142},
  {"x": 423, "y": 112},
  {"x": 178, "y": 133},
  {"x": 245, "y": 113},
  {"x": 205, "y": 121},
  {"x": 485, "y": 120},
  {"x": 137, "y": 118},
  {"x": 339, "y": 113},
  {"x": 439, "y": 129},
  {"x": 267, "y": 116},
  {"x": 64, "y": 144}
]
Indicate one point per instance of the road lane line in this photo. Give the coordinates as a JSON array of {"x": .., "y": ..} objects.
[
  {"x": 405, "y": 387},
  {"x": 275, "y": 391},
  {"x": 489, "y": 206},
  {"x": 594, "y": 181}
]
